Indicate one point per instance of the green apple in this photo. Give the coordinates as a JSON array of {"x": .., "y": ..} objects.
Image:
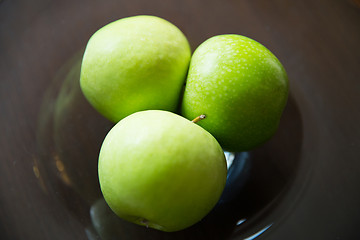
[
  {"x": 240, "y": 86},
  {"x": 133, "y": 64},
  {"x": 161, "y": 170}
]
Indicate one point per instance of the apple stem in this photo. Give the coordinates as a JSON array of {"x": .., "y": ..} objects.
[{"x": 198, "y": 118}]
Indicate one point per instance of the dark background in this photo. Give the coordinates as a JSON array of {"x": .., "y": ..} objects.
[{"x": 318, "y": 43}]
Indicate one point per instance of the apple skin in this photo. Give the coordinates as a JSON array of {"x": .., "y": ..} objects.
[
  {"x": 240, "y": 86},
  {"x": 133, "y": 64},
  {"x": 160, "y": 170}
]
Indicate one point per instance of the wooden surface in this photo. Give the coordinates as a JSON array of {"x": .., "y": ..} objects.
[{"x": 47, "y": 126}]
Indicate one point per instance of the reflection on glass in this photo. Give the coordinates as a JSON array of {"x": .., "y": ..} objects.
[
  {"x": 258, "y": 233},
  {"x": 240, "y": 222}
]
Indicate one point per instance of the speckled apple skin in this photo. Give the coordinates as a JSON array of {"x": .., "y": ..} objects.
[
  {"x": 133, "y": 64},
  {"x": 240, "y": 86},
  {"x": 160, "y": 170}
]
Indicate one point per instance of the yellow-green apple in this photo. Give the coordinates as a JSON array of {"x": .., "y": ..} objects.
[
  {"x": 240, "y": 86},
  {"x": 133, "y": 64},
  {"x": 161, "y": 170}
]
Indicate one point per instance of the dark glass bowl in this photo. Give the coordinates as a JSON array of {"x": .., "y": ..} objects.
[{"x": 302, "y": 184}]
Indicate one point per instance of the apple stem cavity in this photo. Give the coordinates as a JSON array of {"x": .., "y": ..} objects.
[
  {"x": 198, "y": 118},
  {"x": 145, "y": 222}
]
